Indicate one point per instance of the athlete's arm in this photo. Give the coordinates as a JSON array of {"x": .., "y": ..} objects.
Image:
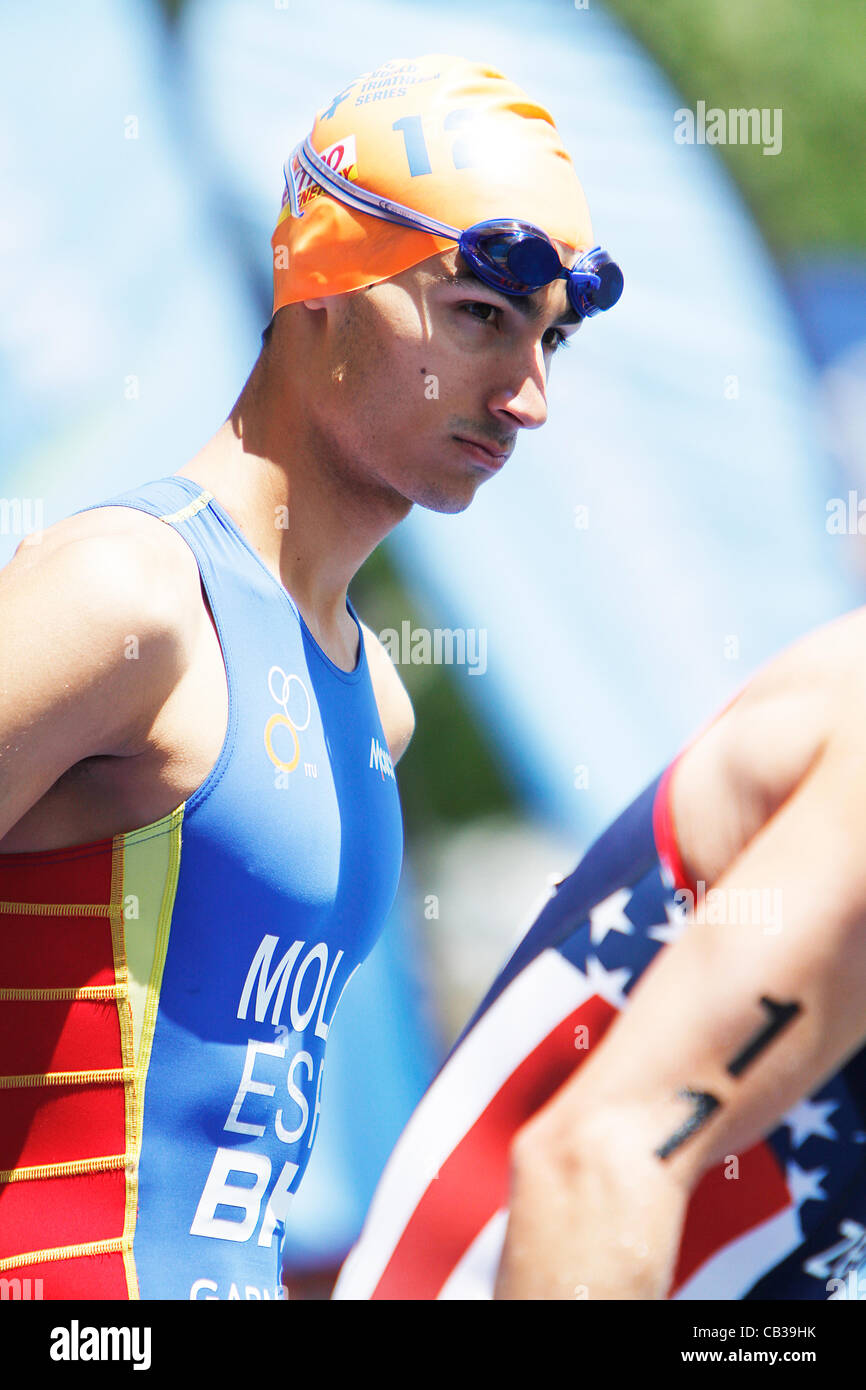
[
  {"x": 729, "y": 1028},
  {"x": 93, "y": 640},
  {"x": 392, "y": 697}
]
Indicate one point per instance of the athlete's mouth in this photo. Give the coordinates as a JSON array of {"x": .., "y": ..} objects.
[{"x": 490, "y": 457}]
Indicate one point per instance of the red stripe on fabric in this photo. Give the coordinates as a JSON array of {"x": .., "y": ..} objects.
[
  {"x": 473, "y": 1182},
  {"x": 40, "y": 1214},
  {"x": 665, "y": 835},
  {"x": 58, "y": 1035},
  {"x": 27, "y": 867},
  {"x": 723, "y": 1208},
  {"x": 53, "y": 1124},
  {"x": 84, "y": 1276},
  {"x": 55, "y": 952},
  {"x": 50, "y": 1124},
  {"x": 45, "y": 951}
]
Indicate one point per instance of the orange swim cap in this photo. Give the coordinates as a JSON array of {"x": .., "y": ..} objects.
[{"x": 447, "y": 137}]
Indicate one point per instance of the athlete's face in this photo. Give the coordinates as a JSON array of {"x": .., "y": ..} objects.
[{"x": 432, "y": 358}]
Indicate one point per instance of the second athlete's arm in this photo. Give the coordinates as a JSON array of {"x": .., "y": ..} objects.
[{"x": 728, "y": 1029}]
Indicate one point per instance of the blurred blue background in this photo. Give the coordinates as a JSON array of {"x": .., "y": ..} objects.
[{"x": 660, "y": 538}]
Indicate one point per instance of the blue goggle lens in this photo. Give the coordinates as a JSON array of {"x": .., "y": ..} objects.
[
  {"x": 532, "y": 261},
  {"x": 607, "y": 290},
  {"x": 519, "y": 259}
]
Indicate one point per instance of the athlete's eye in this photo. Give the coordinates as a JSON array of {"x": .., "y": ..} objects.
[
  {"x": 560, "y": 340},
  {"x": 475, "y": 304}
]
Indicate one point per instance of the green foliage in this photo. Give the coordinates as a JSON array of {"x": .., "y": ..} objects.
[
  {"x": 808, "y": 59},
  {"x": 448, "y": 773}
]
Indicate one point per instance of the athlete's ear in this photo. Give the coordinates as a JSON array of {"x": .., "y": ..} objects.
[{"x": 339, "y": 301}]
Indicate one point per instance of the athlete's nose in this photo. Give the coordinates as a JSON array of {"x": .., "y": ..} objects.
[{"x": 524, "y": 399}]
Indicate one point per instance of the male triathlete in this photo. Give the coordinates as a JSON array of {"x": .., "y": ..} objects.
[{"x": 200, "y": 832}]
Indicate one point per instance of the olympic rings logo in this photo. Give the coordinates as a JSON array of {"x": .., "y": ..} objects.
[{"x": 281, "y": 694}]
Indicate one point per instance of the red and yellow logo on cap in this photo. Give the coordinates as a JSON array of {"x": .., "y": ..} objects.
[{"x": 341, "y": 157}]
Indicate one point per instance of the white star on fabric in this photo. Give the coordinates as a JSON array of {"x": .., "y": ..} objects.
[
  {"x": 676, "y": 924},
  {"x": 607, "y": 983},
  {"x": 610, "y": 916},
  {"x": 808, "y": 1118},
  {"x": 805, "y": 1186}
]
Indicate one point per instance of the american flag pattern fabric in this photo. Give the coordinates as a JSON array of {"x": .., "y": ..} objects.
[{"x": 791, "y": 1226}]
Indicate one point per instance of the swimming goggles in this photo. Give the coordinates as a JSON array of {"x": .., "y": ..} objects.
[{"x": 512, "y": 256}]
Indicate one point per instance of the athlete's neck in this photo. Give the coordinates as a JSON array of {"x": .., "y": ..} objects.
[{"x": 312, "y": 520}]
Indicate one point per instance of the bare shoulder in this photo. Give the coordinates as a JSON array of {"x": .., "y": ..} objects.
[
  {"x": 736, "y": 774},
  {"x": 97, "y": 610},
  {"x": 123, "y": 524},
  {"x": 125, "y": 546},
  {"x": 95, "y": 590},
  {"x": 392, "y": 697}
]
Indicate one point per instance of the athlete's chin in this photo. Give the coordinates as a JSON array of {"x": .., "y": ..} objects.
[{"x": 442, "y": 497}]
